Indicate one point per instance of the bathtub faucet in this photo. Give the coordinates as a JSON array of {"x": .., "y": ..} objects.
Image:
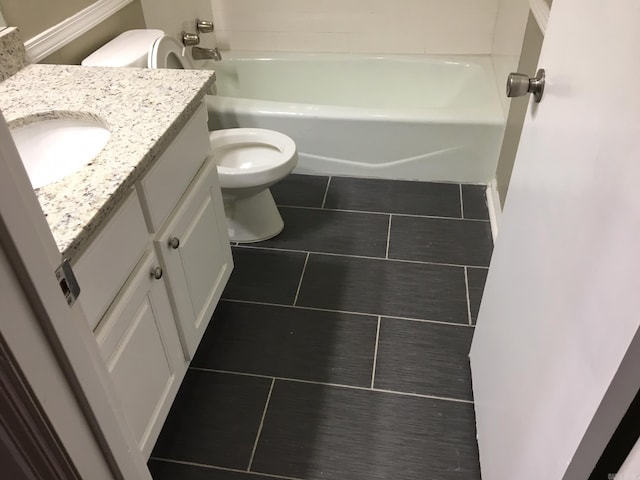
[{"x": 200, "y": 53}]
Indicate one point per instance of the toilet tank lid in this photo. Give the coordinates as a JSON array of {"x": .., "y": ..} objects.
[{"x": 124, "y": 50}]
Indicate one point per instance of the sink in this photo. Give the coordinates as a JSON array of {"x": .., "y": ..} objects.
[{"x": 52, "y": 148}]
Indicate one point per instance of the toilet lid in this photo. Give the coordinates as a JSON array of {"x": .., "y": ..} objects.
[{"x": 166, "y": 52}]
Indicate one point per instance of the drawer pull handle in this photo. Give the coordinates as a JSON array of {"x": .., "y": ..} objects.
[
  {"x": 156, "y": 273},
  {"x": 174, "y": 242}
]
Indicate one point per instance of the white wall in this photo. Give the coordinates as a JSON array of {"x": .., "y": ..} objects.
[
  {"x": 361, "y": 26},
  {"x": 511, "y": 20},
  {"x": 174, "y": 16}
]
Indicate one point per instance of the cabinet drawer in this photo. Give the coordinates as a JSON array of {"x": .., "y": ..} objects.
[
  {"x": 166, "y": 181},
  {"x": 139, "y": 343},
  {"x": 104, "y": 267}
]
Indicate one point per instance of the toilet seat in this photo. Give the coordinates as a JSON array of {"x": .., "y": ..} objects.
[
  {"x": 251, "y": 156},
  {"x": 166, "y": 52}
]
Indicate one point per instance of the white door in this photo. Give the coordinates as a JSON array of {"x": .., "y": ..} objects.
[
  {"x": 52, "y": 343},
  {"x": 556, "y": 351}
]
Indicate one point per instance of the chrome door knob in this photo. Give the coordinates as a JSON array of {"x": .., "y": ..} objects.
[
  {"x": 519, "y": 84},
  {"x": 174, "y": 242},
  {"x": 156, "y": 273}
]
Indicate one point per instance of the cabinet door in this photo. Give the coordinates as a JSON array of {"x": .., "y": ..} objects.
[
  {"x": 141, "y": 347},
  {"x": 195, "y": 253}
]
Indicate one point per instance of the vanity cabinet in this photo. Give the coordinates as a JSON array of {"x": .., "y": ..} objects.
[
  {"x": 139, "y": 343},
  {"x": 153, "y": 276},
  {"x": 194, "y": 251}
]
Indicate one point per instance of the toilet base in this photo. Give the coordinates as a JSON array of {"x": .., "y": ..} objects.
[{"x": 252, "y": 219}]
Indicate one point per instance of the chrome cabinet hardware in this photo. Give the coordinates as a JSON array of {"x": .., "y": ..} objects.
[{"x": 156, "y": 273}]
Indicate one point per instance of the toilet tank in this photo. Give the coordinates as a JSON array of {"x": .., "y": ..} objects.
[{"x": 129, "y": 49}]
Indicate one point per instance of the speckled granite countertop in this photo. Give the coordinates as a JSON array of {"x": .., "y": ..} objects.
[{"x": 144, "y": 109}]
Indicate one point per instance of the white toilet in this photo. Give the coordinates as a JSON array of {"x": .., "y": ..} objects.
[{"x": 249, "y": 160}]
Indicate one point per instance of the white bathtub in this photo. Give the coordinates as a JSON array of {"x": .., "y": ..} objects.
[{"x": 404, "y": 117}]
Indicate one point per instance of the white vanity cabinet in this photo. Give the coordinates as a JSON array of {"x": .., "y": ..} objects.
[
  {"x": 195, "y": 253},
  {"x": 139, "y": 343},
  {"x": 151, "y": 279}
]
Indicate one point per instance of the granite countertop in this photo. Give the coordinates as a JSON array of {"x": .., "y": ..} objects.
[{"x": 144, "y": 109}]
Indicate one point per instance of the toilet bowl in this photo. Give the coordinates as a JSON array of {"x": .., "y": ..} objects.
[{"x": 249, "y": 160}]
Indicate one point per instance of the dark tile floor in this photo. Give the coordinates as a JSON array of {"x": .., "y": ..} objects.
[{"x": 340, "y": 348}]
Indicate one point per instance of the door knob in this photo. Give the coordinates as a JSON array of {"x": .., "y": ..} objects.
[
  {"x": 174, "y": 242},
  {"x": 519, "y": 84}
]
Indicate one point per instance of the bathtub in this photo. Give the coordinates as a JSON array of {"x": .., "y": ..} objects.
[{"x": 401, "y": 117}]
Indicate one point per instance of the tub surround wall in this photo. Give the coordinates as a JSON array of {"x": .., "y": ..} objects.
[
  {"x": 13, "y": 56},
  {"x": 173, "y": 17},
  {"x": 357, "y": 26}
]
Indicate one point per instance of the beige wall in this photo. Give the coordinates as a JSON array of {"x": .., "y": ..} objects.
[
  {"x": 528, "y": 64},
  {"x": 35, "y": 16},
  {"x": 128, "y": 18}
]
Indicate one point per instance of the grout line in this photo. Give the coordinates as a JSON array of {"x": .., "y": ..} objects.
[
  {"x": 418, "y": 262},
  {"x": 326, "y": 192},
  {"x": 328, "y": 384},
  {"x": 264, "y": 414},
  {"x": 435, "y": 217},
  {"x": 224, "y": 469},
  {"x": 466, "y": 284},
  {"x": 375, "y": 354},
  {"x": 388, "y": 238},
  {"x": 347, "y": 312},
  {"x": 461, "y": 203},
  {"x": 295, "y": 300}
]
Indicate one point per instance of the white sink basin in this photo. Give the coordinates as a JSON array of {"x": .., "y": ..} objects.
[{"x": 53, "y": 148}]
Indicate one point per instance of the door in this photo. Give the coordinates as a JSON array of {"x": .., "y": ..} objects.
[
  {"x": 196, "y": 256},
  {"x": 556, "y": 351},
  {"x": 52, "y": 343},
  {"x": 140, "y": 345}
]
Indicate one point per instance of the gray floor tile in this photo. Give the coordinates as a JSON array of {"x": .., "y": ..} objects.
[
  {"x": 300, "y": 190},
  {"x": 264, "y": 276},
  {"x": 474, "y": 199},
  {"x": 290, "y": 342},
  {"x": 214, "y": 419},
  {"x": 382, "y": 287},
  {"x": 174, "y": 471},
  {"x": 424, "y": 358},
  {"x": 332, "y": 433},
  {"x": 330, "y": 231},
  {"x": 477, "y": 279},
  {"x": 394, "y": 196},
  {"x": 460, "y": 242}
]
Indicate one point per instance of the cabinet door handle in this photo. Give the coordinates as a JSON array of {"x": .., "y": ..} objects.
[
  {"x": 156, "y": 273},
  {"x": 174, "y": 242}
]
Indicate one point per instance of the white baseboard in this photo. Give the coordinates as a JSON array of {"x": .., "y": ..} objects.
[
  {"x": 47, "y": 42},
  {"x": 495, "y": 210}
]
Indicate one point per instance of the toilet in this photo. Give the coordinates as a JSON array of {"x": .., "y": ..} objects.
[{"x": 249, "y": 160}]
